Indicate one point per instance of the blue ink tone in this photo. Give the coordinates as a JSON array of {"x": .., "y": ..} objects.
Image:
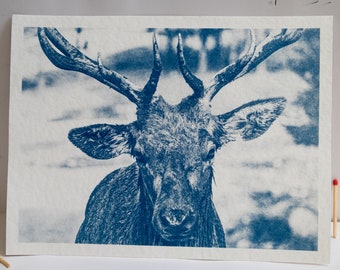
[
  {"x": 277, "y": 232},
  {"x": 142, "y": 59},
  {"x": 102, "y": 141},
  {"x": 303, "y": 243},
  {"x": 29, "y": 84},
  {"x": 308, "y": 67},
  {"x": 47, "y": 79},
  {"x": 271, "y": 231},
  {"x": 274, "y": 230},
  {"x": 170, "y": 217},
  {"x": 258, "y": 121},
  {"x": 104, "y": 220},
  {"x": 101, "y": 112},
  {"x": 267, "y": 199},
  {"x": 306, "y": 135},
  {"x": 107, "y": 111},
  {"x": 165, "y": 196},
  {"x": 68, "y": 115}
]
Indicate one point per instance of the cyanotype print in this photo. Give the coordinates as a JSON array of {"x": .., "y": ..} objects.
[
  {"x": 165, "y": 196},
  {"x": 185, "y": 137}
]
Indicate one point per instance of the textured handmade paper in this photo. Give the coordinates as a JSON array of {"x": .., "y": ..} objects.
[{"x": 237, "y": 173}]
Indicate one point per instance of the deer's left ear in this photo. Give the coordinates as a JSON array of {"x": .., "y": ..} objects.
[
  {"x": 102, "y": 141},
  {"x": 250, "y": 120}
]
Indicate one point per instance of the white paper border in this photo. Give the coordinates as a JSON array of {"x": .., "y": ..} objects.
[{"x": 325, "y": 25}]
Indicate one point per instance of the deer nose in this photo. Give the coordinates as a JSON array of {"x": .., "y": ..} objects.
[
  {"x": 177, "y": 221},
  {"x": 175, "y": 217}
]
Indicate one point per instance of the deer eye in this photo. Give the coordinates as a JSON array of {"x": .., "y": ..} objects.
[{"x": 211, "y": 153}]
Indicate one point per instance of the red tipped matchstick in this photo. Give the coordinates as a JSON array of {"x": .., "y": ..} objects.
[{"x": 335, "y": 206}]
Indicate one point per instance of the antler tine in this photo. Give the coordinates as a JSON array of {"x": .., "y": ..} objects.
[
  {"x": 255, "y": 55},
  {"x": 195, "y": 83},
  {"x": 151, "y": 86},
  {"x": 72, "y": 59},
  {"x": 271, "y": 45},
  {"x": 230, "y": 72}
]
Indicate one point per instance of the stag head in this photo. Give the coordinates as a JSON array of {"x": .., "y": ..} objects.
[{"x": 174, "y": 145}]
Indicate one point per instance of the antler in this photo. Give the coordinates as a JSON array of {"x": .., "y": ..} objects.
[
  {"x": 254, "y": 56},
  {"x": 151, "y": 86},
  {"x": 195, "y": 83},
  {"x": 71, "y": 58}
]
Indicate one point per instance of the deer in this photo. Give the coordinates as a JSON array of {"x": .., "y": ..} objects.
[{"x": 164, "y": 198}]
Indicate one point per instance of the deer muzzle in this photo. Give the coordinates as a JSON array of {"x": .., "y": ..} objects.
[{"x": 175, "y": 223}]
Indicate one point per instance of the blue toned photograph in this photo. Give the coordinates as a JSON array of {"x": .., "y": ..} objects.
[{"x": 195, "y": 137}]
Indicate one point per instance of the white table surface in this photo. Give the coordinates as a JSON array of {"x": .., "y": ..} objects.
[{"x": 87, "y": 263}]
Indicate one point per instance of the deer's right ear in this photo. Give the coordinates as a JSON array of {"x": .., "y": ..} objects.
[{"x": 102, "y": 141}]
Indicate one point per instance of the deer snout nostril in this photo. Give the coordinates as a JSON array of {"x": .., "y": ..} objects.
[
  {"x": 175, "y": 217},
  {"x": 178, "y": 219},
  {"x": 175, "y": 224}
]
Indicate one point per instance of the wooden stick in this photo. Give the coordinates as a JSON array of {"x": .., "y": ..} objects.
[
  {"x": 335, "y": 207},
  {"x": 4, "y": 262}
]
